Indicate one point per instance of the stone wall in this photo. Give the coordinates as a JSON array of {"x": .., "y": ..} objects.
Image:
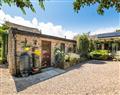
[
  {"x": 30, "y": 40},
  {"x": 20, "y": 38},
  {"x": 11, "y": 53}
]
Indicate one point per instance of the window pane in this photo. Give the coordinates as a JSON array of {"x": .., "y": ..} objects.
[{"x": 63, "y": 47}]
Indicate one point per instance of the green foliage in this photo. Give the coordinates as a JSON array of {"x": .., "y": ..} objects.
[
  {"x": 3, "y": 42},
  {"x": 74, "y": 58},
  {"x": 3, "y": 28},
  {"x": 118, "y": 30},
  {"x": 83, "y": 45},
  {"x": 117, "y": 55},
  {"x": 22, "y": 4},
  {"x": 78, "y": 42},
  {"x": 100, "y": 54},
  {"x": 62, "y": 58},
  {"x": 67, "y": 58},
  {"x": 77, "y": 4},
  {"x": 102, "y": 5},
  {"x": 59, "y": 56},
  {"x": 91, "y": 45}
]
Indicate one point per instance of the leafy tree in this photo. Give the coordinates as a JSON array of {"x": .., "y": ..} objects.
[
  {"x": 102, "y": 4},
  {"x": 77, "y": 4},
  {"x": 83, "y": 45},
  {"x": 4, "y": 28},
  {"x": 3, "y": 41},
  {"x": 23, "y": 4},
  {"x": 118, "y": 30},
  {"x": 91, "y": 45}
]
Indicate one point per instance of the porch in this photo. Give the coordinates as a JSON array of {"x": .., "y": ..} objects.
[
  {"x": 111, "y": 44},
  {"x": 108, "y": 41}
]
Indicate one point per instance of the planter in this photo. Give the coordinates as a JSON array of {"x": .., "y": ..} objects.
[
  {"x": 24, "y": 64},
  {"x": 82, "y": 59},
  {"x": 64, "y": 65},
  {"x": 72, "y": 63},
  {"x": 36, "y": 70}
]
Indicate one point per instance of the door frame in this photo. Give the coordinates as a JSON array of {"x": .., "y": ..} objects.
[{"x": 45, "y": 41}]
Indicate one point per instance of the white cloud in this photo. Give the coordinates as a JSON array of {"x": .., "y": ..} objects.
[
  {"x": 104, "y": 30},
  {"x": 56, "y": 30},
  {"x": 35, "y": 22},
  {"x": 47, "y": 28}
]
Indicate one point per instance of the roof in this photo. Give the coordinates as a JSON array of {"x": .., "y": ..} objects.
[
  {"x": 19, "y": 29},
  {"x": 108, "y": 35}
]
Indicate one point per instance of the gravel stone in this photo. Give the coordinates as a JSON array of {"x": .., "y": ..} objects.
[{"x": 90, "y": 78}]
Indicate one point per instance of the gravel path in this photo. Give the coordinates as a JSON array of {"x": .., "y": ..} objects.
[{"x": 92, "y": 78}]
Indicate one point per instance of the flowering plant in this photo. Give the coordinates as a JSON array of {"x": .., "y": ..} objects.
[
  {"x": 37, "y": 52},
  {"x": 26, "y": 49},
  {"x": 59, "y": 56}
]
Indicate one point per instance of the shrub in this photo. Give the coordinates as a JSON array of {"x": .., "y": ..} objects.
[
  {"x": 99, "y": 54},
  {"x": 67, "y": 58},
  {"x": 82, "y": 45},
  {"x": 74, "y": 58},
  {"x": 91, "y": 45},
  {"x": 117, "y": 55}
]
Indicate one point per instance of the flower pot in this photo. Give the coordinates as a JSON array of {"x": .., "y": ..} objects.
[{"x": 64, "y": 65}]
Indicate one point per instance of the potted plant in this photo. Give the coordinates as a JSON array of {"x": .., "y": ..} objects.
[{"x": 35, "y": 58}]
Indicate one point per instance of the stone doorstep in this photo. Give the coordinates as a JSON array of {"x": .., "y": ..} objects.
[
  {"x": 22, "y": 83},
  {"x": 59, "y": 70},
  {"x": 47, "y": 69}
]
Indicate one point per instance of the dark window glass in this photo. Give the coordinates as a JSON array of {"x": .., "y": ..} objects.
[
  {"x": 74, "y": 48},
  {"x": 62, "y": 47},
  {"x": 69, "y": 49},
  {"x": 119, "y": 46}
]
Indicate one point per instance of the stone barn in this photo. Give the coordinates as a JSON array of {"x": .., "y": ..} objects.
[{"x": 21, "y": 35}]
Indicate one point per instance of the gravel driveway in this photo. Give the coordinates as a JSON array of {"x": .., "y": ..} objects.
[{"x": 91, "y": 78}]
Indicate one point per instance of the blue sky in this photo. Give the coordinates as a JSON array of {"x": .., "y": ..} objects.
[{"x": 62, "y": 13}]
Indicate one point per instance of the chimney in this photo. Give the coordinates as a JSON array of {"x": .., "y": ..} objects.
[{"x": 65, "y": 37}]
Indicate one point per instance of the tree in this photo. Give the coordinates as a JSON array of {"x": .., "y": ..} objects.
[
  {"x": 4, "y": 28},
  {"x": 83, "y": 45},
  {"x": 118, "y": 30},
  {"x": 23, "y": 4},
  {"x": 77, "y": 4},
  {"x": 102, "y": 5},
  {"x": 3, "y": 42},
  {"x": 91, "y": 45}
]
